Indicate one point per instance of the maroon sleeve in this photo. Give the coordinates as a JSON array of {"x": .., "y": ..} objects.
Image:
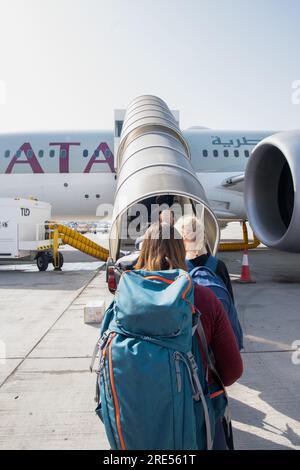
[{"x": 219, "y": 335}]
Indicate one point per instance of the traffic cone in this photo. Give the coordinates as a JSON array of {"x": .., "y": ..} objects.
[{"x": 245, "y": 274}]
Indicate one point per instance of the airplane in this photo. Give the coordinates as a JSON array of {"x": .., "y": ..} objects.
[{"x": 75, "y": 171}]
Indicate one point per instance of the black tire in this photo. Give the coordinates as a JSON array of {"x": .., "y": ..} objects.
[
  {"x": 42, "y": 261},
  {"x": 60, "y": 261}
]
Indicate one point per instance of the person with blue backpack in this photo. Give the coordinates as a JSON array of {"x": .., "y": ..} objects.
[
  {"x": 167, "y": 352},
  {"x": 207, "y": 270},
  {"x": 191, "y": 228}
]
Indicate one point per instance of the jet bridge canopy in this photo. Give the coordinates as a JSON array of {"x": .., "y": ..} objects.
[{"x": 154, "y": 160}]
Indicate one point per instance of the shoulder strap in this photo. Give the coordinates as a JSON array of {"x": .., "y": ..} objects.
[
  {"x": 202, "y": 337},
  {"x": 212, "y": 263},
  {"x": 211, "y": 366},
  {"x": 189, "y": 265}
]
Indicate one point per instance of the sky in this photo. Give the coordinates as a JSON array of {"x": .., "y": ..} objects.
[{"x": 225, "y": 64}]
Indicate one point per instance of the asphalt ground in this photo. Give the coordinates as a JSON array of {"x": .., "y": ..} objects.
[{"x": 47, "y": 391}]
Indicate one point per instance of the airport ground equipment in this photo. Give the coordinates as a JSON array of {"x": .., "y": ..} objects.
[
  {"x": 153, "y": 160},
  {"x": 23, "y": 233},
  {"x": 26, "y": 234},
  {"x": 240, "y": 246},
  {"x": 76, "y": 240}
]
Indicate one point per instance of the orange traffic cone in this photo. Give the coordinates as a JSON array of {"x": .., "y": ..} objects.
[{"x": 245, "y": 274}]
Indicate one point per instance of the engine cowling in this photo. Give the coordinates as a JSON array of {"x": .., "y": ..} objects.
[{"x": 272, "y": 185}]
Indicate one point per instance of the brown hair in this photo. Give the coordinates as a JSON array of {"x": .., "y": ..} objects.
[{"x": 162, "y": 249}]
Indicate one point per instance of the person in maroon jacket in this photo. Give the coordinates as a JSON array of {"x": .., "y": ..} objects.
[
  {"x": 219, "y": 335},
  {"x": 163, "y": 249}
]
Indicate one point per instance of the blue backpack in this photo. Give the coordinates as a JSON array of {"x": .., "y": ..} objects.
[
  {"x": 206, "y": 276},
  {"x": 151, "y": 389}
]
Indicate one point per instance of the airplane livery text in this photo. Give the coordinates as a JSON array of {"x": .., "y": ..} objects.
[{"x": 62, "y": 157}]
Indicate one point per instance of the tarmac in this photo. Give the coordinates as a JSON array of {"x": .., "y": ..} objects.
[{"x": 47, "y": 391}]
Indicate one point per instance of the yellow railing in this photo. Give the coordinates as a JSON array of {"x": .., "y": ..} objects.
[{"x": 239, "y": 246}]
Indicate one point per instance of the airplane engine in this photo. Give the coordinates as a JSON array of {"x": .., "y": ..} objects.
[{"x": 272, "y": 191}]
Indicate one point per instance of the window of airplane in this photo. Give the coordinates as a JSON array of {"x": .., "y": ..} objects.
[
  {"x": 7, "y": 154},
  {"x": 63, "y": 153},
  {"x": 226, "y": 153},
  {"x": 247, "y": 153},
  {"x": 107, "y": 153},
  {"x": 41, "y": 153},
  {"x": 85, "y": 153},
  {"x": 221, "y": 164},
  {"x": 97, "y": 153},
  {"x": 66, "y": 185},
  {"x": 86, "y": 196},
  {"x": 52, "y": 153},
  {"x": 18, "y": 154},
  {"x": 29, "y": 153},
  {"x": 216, "y": 153},
  {"x": 205, "y": 153},
  {"x": 236, "y": 153},
  {"x": 98, "y": 196}
]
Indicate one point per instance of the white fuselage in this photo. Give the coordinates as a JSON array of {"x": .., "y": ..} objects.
[{"x": 75, "y": 171}]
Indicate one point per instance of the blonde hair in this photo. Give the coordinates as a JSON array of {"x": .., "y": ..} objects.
[
  {"x": 162, "y": 249},
  {"x": 166, "y": 216},
  {"x": 191, "y": 228}
]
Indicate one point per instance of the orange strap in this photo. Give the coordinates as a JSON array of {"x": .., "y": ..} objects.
[
  {"x": 169, "y": 281},
  {"x": 116, "y": 403},
  {"x": 188, "y": 287},
  {"x": 160, "y": 278},
  {"x": 216, "y": 394}
]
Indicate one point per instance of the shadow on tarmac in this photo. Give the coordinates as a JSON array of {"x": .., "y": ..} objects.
[{"x": 246, "y": 415}]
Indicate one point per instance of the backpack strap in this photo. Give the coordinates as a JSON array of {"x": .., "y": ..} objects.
[
  {"x": 197, "y": 391},
  {"x": 189, "y": 265},
  {"x": 202, "y": 337},
  {"x": 212, "y": 263},
  {"x": 194, "y": 368},
  {"x": 210, "y": 365}
]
